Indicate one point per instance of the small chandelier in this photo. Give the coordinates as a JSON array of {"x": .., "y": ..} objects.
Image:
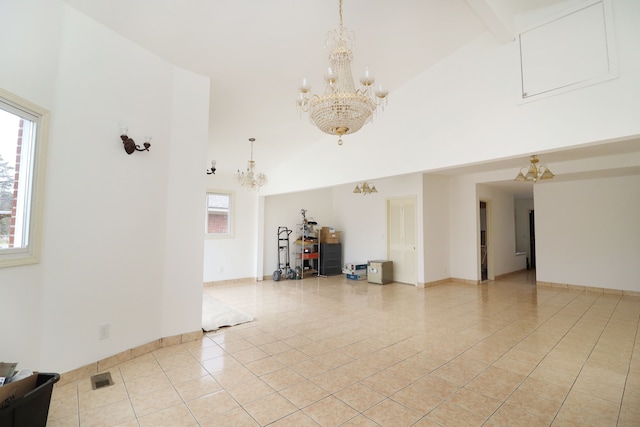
[
  {"x": 342, "y": 109},
  {"x": 534, "y": 172},
  {"x": 251, "y": 179},
  {"x": 365, "y": 188}
]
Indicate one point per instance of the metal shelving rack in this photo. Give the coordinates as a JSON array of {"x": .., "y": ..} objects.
[{"x": 307, "y": 246}]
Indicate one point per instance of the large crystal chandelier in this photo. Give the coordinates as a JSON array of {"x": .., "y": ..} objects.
[
  {"x": 342, "y": 109},
  {"x": 251, "y": 179}
]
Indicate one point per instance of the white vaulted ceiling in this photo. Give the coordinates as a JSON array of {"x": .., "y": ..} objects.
[{"x": 257, "y": 51}]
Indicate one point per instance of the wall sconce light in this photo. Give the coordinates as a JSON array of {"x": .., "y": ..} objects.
[
  {"x": 365, "y": 188},
  {"x": 130, "y": 145},
  {"x": 212, "y": 171}
]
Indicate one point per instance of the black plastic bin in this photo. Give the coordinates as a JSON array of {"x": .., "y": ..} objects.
[{"x": 32, "y": 409}]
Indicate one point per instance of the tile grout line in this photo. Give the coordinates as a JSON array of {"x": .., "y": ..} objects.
[
  {"x": 514, "y": 319},
  {"x": 624, "y": 389},
  {"x": 587, "y": 358},
  {"x": 538, "y": 364}
]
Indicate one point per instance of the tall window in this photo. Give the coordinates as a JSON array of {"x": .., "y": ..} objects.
[
  {"x": 219, "y": 214},
  {"x": 22, "y": 149}
]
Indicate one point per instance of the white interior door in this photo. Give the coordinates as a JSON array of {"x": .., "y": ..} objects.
[{"x": 401, "y": 242}]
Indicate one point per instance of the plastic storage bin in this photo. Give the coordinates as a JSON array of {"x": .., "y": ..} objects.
[{"x": 32, "y": 409}]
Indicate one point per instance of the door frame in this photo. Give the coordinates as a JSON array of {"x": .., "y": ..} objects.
[
  {"x": 414, "y": 200},
  {"x": 532, "y": 239},
  {"x": 488, "y": 240}
]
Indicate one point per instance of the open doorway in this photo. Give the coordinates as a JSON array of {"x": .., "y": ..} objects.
[
  {"x": 484, "y": 247},
  {"x": 525, "y": 228},
  {"x": 532, "y": 241}
]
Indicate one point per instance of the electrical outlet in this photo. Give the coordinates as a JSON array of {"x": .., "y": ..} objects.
[{"x": 103, "y": 331}]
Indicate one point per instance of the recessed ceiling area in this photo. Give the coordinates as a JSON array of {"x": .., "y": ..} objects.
[{"x": 586, "y": 162}]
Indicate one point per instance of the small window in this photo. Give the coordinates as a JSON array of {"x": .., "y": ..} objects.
[
  {"x": 22, "y": 150},
  {"x": 219, "y": 214}
]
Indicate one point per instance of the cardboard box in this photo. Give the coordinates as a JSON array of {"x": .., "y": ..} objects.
[
  {"x": 329, "y": 235},
  {"x": 14, "y": 391},
  {"x": 335, "y": 239}
]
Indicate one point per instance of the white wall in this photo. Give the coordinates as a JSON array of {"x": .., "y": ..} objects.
[
  {"x": 182, "y": 286},
  {"x": 284, "y": 211},
  {"x": 449, "y": 236},
  {"x": 466, "y": 192},
  {"x": 239, "y": 256},
  {"x": 118, "y": 244},
  {"x": 523, "y": 240},
  {"x": 360, "y": 219},
  {"x": 436, "y": 223},
  {"x": 502, "y": 230},
  {"x": 29, "y": 70},
  {"x": 464, "y": 234},
  {"x": 363, "y": 219},
  {"x": 588, "y": 233},
  {"x": 233, "y": 257},
  {"x": 465, "y": 110}
]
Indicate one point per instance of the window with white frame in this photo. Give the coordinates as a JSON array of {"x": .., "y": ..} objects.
[
  {"x": 219, "y": 214},
  {"x": 22, "y": 150}
]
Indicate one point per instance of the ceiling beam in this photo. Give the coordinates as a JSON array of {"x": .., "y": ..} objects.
[{"x": 496, "y": 16}]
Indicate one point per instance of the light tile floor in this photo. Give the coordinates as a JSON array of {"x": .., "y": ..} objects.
[{"x": 333, "y": 352}]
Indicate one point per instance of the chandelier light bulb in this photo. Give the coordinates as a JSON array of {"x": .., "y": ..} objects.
[
  {"x": 304, "y": 88},
  {"x": 212, "y": 171},
  {"x": 330, "y": 76},
  {"x": 381, "y": 93},
  {"x": 367, "y": 79},
  {"x": 547, "y": 174}
]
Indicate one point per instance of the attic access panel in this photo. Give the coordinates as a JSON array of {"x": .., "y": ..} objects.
[{"x": 567, "y": 51}]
